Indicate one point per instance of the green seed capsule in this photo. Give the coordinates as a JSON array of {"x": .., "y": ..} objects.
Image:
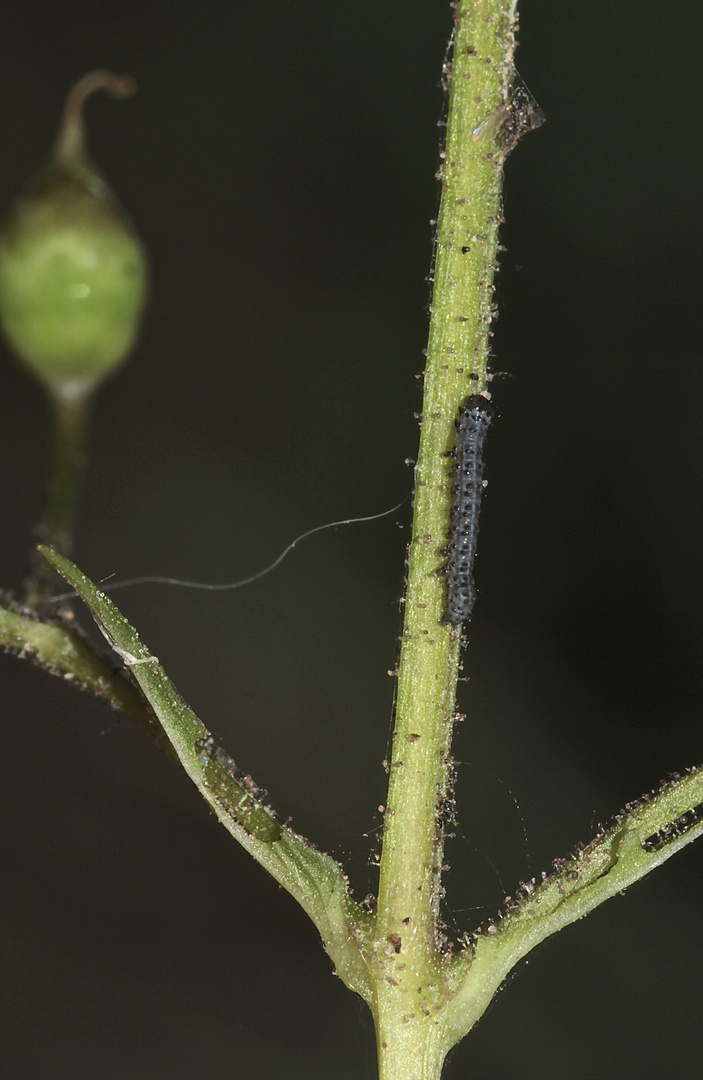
[{"x": 72, "y": 271}]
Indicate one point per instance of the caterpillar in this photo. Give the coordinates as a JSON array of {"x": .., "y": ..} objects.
[{"x": 471, "y": 430}]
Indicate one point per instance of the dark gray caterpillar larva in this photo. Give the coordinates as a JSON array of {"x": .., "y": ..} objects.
[{"x": 471, "y": 430}]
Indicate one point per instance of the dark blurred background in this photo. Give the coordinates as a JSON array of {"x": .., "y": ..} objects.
[{"x": 278, "y": 161}]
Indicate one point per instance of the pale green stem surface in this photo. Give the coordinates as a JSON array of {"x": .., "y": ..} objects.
[{"x": 408, "y": 1005}]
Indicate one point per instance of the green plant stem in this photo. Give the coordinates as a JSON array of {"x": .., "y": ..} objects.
[
  {"x": 71, "y": 415},
  {"x": 63, "y": 651},
  {"x": 461, "y": 313}
]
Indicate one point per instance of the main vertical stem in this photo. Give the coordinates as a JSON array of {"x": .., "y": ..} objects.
[{"x": 461, "y": 313}]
